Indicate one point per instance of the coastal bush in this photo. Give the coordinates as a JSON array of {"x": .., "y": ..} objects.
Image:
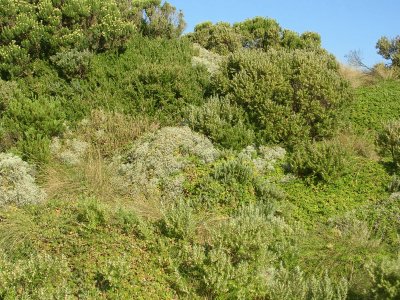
[
  {"x": 17, "y": 184},
  {"x": 289, "y": 96},
  {"x": 222, "y": 122},
  {"x": 159, "y": 158},
  {"x": 322, "y": 161}
]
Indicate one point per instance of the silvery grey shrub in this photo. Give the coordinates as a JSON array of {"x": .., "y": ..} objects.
[
  {"x": 17, "y": 182},
  {"x": 160, "y": 158}
]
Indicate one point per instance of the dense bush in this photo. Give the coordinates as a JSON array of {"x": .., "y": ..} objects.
[
  {"x": 41, "y": 29},
  {"x": 17, "y": 184},
  {"x": 222, "y": 122},
  {"x": 323, "y": 161},
  {"x": 220, "y": 37},
  {"x": 259, "y": 32},
  {"x": 386, "y": 279},
  {"x": 289, "y": 96}
]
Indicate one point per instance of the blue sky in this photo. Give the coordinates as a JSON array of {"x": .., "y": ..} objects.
[{"x": 344, "y": 25}]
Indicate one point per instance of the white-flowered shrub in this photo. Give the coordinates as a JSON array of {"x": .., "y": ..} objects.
[{"x": 17, "y": 182}]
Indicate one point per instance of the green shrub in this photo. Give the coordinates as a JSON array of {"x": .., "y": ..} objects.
[
  {"x": 152, "y": 77},
  {"x": 373, "y": 106},
  {"x": 39, "y": 276},
  {"x": 178, "y": 220},
  {"x": 220, "y": 37},
  {"x": 295, "y": 285},
  {"x": 17, "y": 184},
  {"x": 289, "y": 96},
  {"x": 322, "y": 161},
  {"x": 222, "y": 122},
  {"x": 386, "y": 279},
  {"x": 72, "y": 63},
  {"x": 389, "y": 140},
  {"x": 258, "y": 32},
  {"x": 30, "y": 124},
  {"x": 32, "y": 30},
  {"x": 234, "y": 180}
]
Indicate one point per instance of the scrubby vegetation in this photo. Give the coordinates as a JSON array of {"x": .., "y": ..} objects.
[{"x": 235, "y": 162}]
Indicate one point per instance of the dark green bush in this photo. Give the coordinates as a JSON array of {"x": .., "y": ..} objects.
[{"x": 289, "y": 96}]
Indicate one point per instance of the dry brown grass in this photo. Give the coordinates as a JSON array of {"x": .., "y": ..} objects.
[
  {"x": 358, "y": 145},
  {"x": 107, "y": 134},
  {"x": 380, "y": 71},
  {"x": 355, "y": 76},
  {"x": 111, "y": 131}
]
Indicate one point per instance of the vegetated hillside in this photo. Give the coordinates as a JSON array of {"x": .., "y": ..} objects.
[{"x": 234, "y": 162}]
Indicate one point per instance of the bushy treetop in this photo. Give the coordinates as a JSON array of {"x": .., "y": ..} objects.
[{"x": 259, "y": 32}]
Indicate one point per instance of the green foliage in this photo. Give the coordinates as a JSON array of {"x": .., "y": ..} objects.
[
  {"x": 153, "y": 77},
  {"x": 86, "y": 250},
  {"x": 17, "y": 182},
  {"x": 38, "y": 276},
  {"x": 321, "y": 161},
  {"x": 39, "y": 29},
  {"x": 373, "y": 106},
  {"x": 259, "y": 32},
  {"x": 72, "y": 63},
  {"x": 220, "y": 37},
  {"x": 30, "y": 124},
  {"x": 295, "y": 285},
  {"x": 386, "y": 279},
  {"x": 389, "y": 140},
  {"x": 162, "y": 21},
  {"x": 223, "y": 122},
  {"x": 390, "y": 49},
  {"x": 289, "y": 96},
  {"x": 235, "y": 180}
]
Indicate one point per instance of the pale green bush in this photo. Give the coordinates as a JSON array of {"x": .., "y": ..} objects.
[
  {"x": 36, "y": 277},
  {"x": 206, "y": 58},
  {"x": 386, "y": 279},
  {"x": 160, "y": 158},
  {"x": 221, "y": 121},
  {"x": 69, "y": 151},
  {"x": 17, "y": 183},
  {"x": 295, "y": 285}
]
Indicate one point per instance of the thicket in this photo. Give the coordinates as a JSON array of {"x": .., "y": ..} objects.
[
  {"x": 289, "y": 96},
  {"x": 175, "y": 172}
]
